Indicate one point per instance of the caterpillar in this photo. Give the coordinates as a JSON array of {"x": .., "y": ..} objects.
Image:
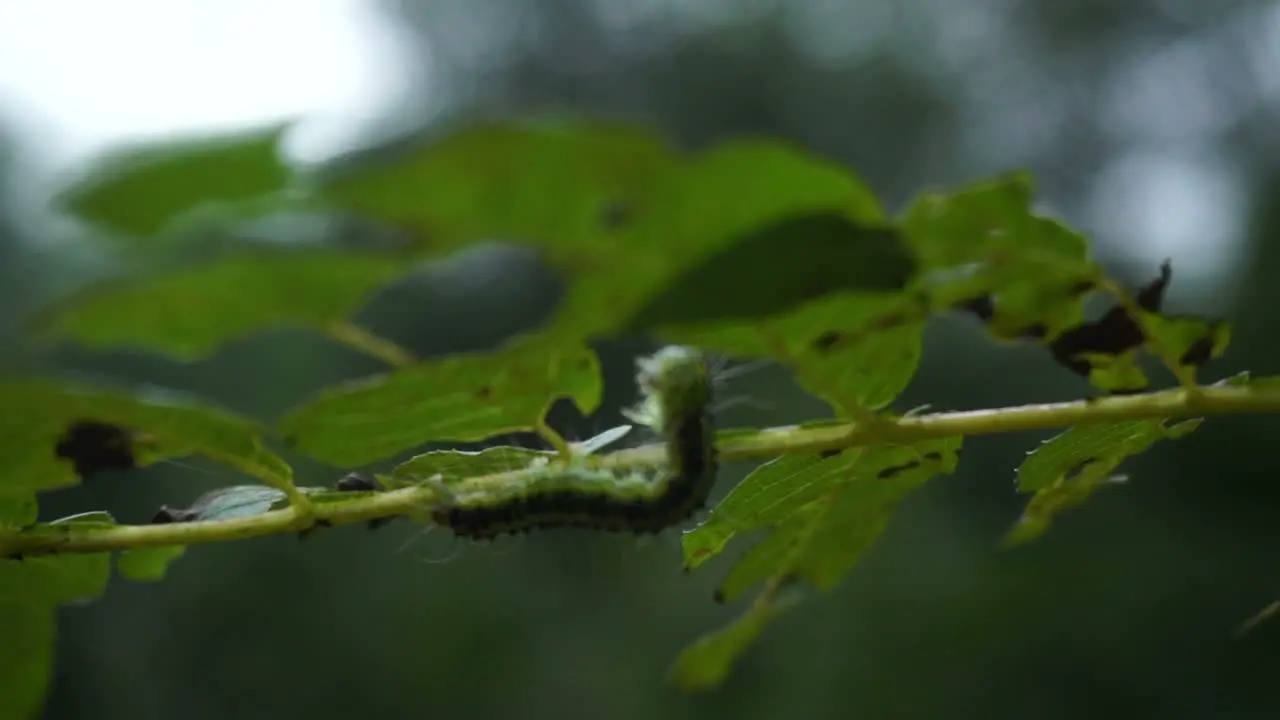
[{"x": 676, "y": 388}]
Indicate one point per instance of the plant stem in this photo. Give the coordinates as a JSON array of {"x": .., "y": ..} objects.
[
  {"x": 757, "y": 445},
  {"x": 357, "y": 338}
]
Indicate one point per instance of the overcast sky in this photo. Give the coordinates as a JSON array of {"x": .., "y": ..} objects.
[{"x": 86, "y": 73}]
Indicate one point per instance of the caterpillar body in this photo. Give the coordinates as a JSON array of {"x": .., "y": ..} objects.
[{"x": 677, "y": 387}]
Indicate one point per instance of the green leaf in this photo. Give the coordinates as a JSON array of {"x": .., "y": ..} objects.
[
  {"x": 560, "y": 186},
  {"x": 823, "y": 539},
  {"x": 190, "y": 313},
  {"x": 148, "y": 564},
  {"x": 1027, "y": 277},
  {"x": 625, "y": 219},
  {"x": 462, "y": 398},
  {"x": 706, "y": 663},
  {"x": 844, "y": 348},
  {"x": 778, "y": 490},
  {"x": 55, "y": 579},
  {"x": 56, "y": 434},
  {"x": 26, "y": 656},
  {"x": 772, "y": 493},
  {"x": 988, "y": 221},
  {"x": 1065, "y": 470},
  {"x": 17, "y": 509},
  {"x": 456, "y": 465},
  {"x": 141, "y": 191},
  {"x": 1116, "y": 374},
  {"x": 1100, "y": 446},
  {"x": 825, "y": 515},
  {"x": 30, "y": 592},
  {"x": 1188, "y": 341}
]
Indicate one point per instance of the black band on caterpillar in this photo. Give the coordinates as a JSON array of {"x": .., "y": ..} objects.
[{"x": 676, "y": 383}]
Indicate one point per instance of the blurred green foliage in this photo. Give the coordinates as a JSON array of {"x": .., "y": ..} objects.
[
  {"x": 845, "y": 308},
  {"x": 1126, "y": 608}
]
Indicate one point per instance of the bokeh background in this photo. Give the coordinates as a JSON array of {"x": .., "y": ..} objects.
[{"x": 1151, "y": 125}]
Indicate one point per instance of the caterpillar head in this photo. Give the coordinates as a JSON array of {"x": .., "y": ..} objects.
[{"x": 673, "y": 380}]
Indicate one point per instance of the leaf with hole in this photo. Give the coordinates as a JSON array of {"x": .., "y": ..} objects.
[
  {"x": 1187, "y": 340},
  {"x": 985, "y": 242},
  {"x": 58, "y": 434}
]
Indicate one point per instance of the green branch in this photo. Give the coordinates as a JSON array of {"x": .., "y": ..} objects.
[
  {"x": 367, "y": 343},
  {"x": 764, "y": 444}
]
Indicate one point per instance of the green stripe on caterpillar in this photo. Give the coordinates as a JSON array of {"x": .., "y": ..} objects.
[{"x": 677, "y": 387}]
